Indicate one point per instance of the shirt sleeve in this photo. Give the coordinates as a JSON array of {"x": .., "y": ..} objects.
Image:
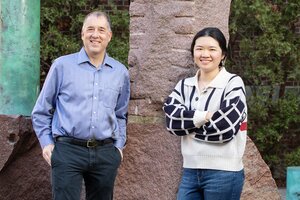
[
  {"x": 44, "y": 108},
  {"x": 122, "y": 112},
  {"x": 225, "y": 122},
  {"x": 179, "y": 119}
]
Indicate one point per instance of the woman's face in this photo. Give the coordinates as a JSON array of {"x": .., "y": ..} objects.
[{"x": 207, "y": 54}]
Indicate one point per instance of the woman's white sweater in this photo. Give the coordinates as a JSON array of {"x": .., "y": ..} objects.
[{"x": 220, "y": 142}]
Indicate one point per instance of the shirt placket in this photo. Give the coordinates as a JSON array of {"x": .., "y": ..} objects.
[
  {"x": 95, "y": 100},
  {"x": 200, "y": 100}
]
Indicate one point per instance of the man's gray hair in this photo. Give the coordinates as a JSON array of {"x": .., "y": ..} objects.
[{"x": 98, "y": 14}]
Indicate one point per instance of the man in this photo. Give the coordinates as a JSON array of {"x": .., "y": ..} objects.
[{"x": 81, "y": 113}]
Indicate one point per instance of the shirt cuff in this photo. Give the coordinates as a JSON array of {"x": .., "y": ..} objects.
[
  {"x": 46, "y": 140},
  {"x": 120, "y": 144},
  {"x": 199, "y": 118}
]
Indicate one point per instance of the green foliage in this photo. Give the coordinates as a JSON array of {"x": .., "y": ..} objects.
[
  {"x": 293, "y": 158},
  {"x": 263, "y": 32},
  {"x": 119, "y": 46},
  {"x": 61, "y": 22}
]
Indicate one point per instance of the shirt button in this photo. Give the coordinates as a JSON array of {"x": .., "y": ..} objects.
[
  {"x": 95, "y": 97},
  {"x": 93, "y": 126},
  {"x": 94, "y": 112},
  {"x": 196, "y": 99}
]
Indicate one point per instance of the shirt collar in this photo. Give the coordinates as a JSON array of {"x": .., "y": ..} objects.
[
  {"x": 83, "y": 57},
  {"x": 218, "y": 82}
]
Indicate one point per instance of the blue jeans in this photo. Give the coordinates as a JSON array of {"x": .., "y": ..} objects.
[{"x": 206, "y": 184}]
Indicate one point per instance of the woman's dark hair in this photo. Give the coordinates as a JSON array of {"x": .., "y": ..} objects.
[{"x": 214, "y": 33}]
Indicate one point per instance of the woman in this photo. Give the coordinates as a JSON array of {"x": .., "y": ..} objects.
[{"x": 209, "y": 112}]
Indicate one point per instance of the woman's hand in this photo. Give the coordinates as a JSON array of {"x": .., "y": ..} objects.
[{"x": 208, "y": 116}]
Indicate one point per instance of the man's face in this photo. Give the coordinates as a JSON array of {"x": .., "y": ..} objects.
[{"x": 95, "y": 35}]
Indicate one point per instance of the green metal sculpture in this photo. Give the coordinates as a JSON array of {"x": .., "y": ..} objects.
[{"x": 19, "y": 56}]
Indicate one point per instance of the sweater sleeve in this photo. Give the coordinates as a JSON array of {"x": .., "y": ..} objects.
[
  {"x": 179, "y": 119},
  {"x": 226, "y": 122}
]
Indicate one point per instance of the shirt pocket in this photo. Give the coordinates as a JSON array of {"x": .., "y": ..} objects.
[{"x": 109, "y": 97}]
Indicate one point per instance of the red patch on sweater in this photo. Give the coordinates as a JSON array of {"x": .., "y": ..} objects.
[{"x": 243, "y": 126}]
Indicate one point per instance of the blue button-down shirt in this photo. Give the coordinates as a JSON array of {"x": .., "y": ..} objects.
[{"x": 81, "y": 101}]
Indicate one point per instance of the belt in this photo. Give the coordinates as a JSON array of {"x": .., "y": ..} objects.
[{"x": 85, "y": 143}]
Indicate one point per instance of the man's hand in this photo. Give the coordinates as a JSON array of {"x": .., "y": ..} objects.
[
  {"x": 121, "y": 152},
  {"x": 47, "y": 153}
]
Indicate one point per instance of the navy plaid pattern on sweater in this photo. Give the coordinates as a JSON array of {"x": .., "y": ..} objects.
[
  {"x": 224, "y": 124},
  {"x": 222, "y": 127}
]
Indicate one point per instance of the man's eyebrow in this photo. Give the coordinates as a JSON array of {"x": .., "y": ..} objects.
[{"x": 99, "y": 27}]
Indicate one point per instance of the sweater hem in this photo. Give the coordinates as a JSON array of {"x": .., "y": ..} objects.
[{"x": 217, "y": 163}]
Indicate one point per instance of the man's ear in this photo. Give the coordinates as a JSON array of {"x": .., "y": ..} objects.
[
  {"x": 110, "y": 36},
  {"x": 81, "y": 34}
]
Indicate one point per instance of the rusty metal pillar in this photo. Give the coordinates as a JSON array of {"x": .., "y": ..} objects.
[{"x": 19, "y": 56}]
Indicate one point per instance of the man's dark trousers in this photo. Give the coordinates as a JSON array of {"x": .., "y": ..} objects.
[{"x": 72, "y": 163}]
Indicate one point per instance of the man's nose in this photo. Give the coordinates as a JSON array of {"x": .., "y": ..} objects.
[{"x": 95, "y": 33}]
